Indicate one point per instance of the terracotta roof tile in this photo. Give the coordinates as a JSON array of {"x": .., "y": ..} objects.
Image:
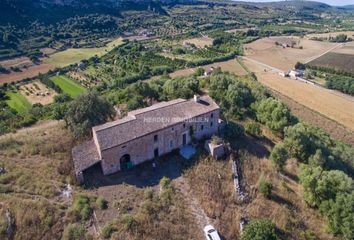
[{"x": 147, "y": 120}]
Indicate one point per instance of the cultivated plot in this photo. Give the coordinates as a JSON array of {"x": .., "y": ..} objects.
[
  {"x": 68, "y": 85},
  {"x": 284, "y": 52},
  {"x": 37, "y": 92},
  {"x": 17, "y": 101},
  {"x": 338, "y": 107}
]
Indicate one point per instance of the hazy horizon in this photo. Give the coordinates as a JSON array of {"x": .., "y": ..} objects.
[{"x": 330, "y": 2}]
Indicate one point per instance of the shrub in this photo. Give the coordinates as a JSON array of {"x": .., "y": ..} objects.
[
  {"x": 82, "y": 207},
  {"x": 279, "y": 155},
  {"x": 265, "y": 188},
  {"x": 262, "y": 229},
  {"x": 108, "y": 230},
  {"x": 74, "y": 232},
  {"x": 253, "y": 128}
]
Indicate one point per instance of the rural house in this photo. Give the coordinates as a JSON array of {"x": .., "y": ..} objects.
[{"x": 147, "y": 133}]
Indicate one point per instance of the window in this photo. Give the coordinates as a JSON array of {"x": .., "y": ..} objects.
[
  {"x": 171, "y": 144},
  {"x": 212, "y": 115},
  {"x": 211, "y": 124},
  {"x": 155, "y": 138},
  {"x": 202, "y": 128},
  {"x": 184, "y": 125},
  {"x": 173, "y": 129}
]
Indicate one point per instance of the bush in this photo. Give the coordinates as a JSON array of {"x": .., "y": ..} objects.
[
  {"x": 82, "y": 207},
  {"x": 279, "y": 155},
  {"x": 265, "y": 188},
  {"x": 262, "y": 229},
  {"x": 101, "y": 203},
  {"x": 74, "y": 232},
  {"x": 253, "y": 128},
  {"x": 108, "y": 230},
  {"x": 274, "y": 114}
]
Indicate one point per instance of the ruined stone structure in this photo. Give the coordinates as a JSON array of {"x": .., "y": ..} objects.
[{"x": 147, "y": 133}]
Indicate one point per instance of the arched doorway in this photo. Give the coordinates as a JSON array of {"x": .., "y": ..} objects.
[{"x": 125, "y": 162}]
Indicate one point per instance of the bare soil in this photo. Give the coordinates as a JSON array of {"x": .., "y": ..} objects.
[
  {"x": 265, "y": 50},
  {"x": 40, "y": 94},
  {"x": 31, "y": 71},
  {"x": 231, "y": 66},
  {"x": 200, "y": 42}
]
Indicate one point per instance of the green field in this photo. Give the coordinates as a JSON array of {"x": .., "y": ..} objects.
[
  {"x": 75, "y": 55},
  {"x": 68, "y": 85},
  {"x": 17, "y": 102}
]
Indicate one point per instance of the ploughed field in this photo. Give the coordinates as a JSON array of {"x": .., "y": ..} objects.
[
  {"x": 335, "y": 60},
  {"x": 277, "y": 51}
]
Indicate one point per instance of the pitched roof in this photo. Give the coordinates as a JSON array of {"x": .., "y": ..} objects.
[
  {"x": 85, "y": 155},
  {"x": 147, "y": 120}
]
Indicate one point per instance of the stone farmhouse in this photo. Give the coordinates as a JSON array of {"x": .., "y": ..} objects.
[{"x": 147, "y": 133}]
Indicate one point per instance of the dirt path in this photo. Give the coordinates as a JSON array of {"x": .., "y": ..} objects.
[
  {"x": 201, "y": 218},
  {"x": 320, "y": 55}
]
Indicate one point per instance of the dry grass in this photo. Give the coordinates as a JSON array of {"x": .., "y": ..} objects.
[
  {"x": 211, "y": 181},
  {"x": 38, "y": 163},
  {"x": 265, "y": 50},
  {"x": 337, "y": 131},
  {"x": 200, "y": 42},
  {"x": 231, "y": 66},
  {"x": 337, "y": 107}
]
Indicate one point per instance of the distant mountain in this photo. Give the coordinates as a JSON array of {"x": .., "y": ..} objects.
[
  {"x": 16, "y": 11},
  {"x": 297, "y": 5},
  {"x": 348, "y": 7}
]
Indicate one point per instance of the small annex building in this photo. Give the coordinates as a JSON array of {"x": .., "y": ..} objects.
[{"x": 147, "y": 133}]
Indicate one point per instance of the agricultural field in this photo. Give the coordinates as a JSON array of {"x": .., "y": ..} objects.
[
  {"x": 68, "y": 85},
  {"x": 28, "y": 72},
  {"x": 27, "y": 69},
  {"x": 200, "y": 42},
  {"x": 75, "y": 55},
  {"x": 337, "y": 107},
  {"x": 37, "y": 92},
  {"x": 17, "y": 101},
  {"x": 336, "y": 61},
  {"x": 266, "y": 51},
  {"x": 330, "y": 34}
]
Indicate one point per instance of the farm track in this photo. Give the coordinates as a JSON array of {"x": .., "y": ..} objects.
[
  {"x": 196, "y": 210},
  {"x": 324, "y": 53}
]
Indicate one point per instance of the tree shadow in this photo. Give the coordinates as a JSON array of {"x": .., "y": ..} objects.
[
  {"x": 282, "y": 201},
  {"x": 254, "y": 146}
]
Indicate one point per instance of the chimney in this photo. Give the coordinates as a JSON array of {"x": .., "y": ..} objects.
[{"x": 196, "y": 98}]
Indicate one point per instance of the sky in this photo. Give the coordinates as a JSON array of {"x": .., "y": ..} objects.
[{"x": 331, "y": 2}]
